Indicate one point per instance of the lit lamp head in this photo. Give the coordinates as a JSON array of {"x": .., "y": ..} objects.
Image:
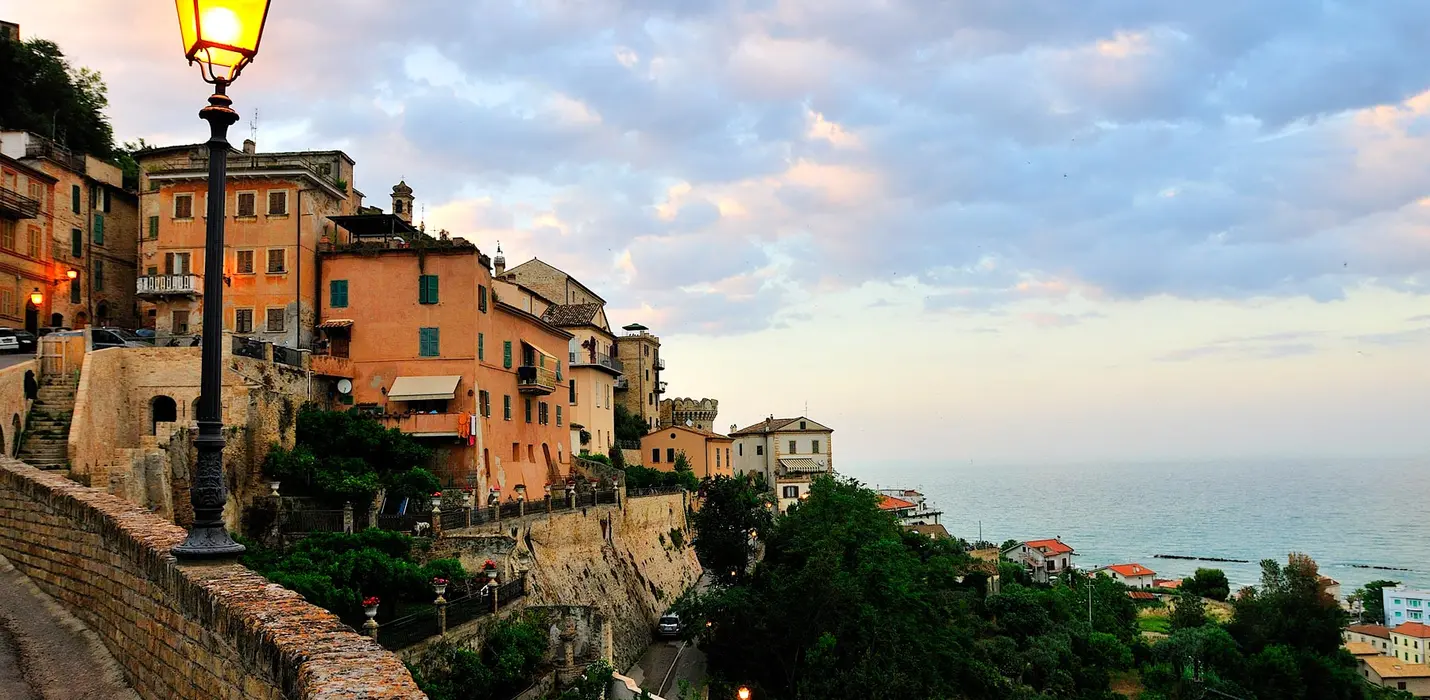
[
  {"x": 221, "y": 35},
  {"x": 72, "y": 274},
  {"x": 36, "y": 297},
  {"x": 743, "y": 694}
]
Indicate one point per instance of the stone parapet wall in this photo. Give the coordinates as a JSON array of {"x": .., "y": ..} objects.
[{"x": 213, "y": 631}]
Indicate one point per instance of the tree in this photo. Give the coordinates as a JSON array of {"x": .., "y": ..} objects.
[
  {"x": 1208, "y": 583},
  {"x": 1372, "y": 600},
  {"x": 41, "y": 92},
  {"x": 1189, "y": 612},
  {"x": 345, "y": 456},
  {"x": 629, "y": 427},
  {"x": 732, "y": 511}
]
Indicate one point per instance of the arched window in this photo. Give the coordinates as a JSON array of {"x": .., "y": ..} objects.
[{"x": 162, "y": 410}]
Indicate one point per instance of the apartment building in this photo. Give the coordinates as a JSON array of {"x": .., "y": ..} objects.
[
  {"x": 789, "y": 452},
  {"x": 1405, "y": 604},
  {"x": 708, "y": 453}
]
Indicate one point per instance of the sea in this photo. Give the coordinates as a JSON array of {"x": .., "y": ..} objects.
[{"x": 1346, "y": 514}]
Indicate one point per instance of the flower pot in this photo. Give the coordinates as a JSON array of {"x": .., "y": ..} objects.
[
  {"x": 370, "y": 611},
  {"x": 441, "y": 589},
  {"x": 274, "y": 485}
]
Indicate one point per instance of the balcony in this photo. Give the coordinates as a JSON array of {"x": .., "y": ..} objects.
[
  {"x": 660, "y": 387},
  {"x": 587, "y": 359},
  {"x": 332, "y": 366},
  {"x": 423, "y": 424},
  {"x": 622, "y": 383},
  {"x": 14, "y": 205},
  {"x": 535, "y": 380},
  {"x": 660, "y": 363},
  {"x": 169, "y": 285}
]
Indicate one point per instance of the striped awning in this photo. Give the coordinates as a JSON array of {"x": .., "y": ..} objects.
[
  {"x": 424, "y": 388},
  {"x": 337, "y": 323},
  {"x": 801, "y": 465}
]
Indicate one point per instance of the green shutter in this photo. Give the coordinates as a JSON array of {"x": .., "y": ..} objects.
[
  {"x": 338, "y": 294},
  {"x": 427, "y": 289},
  {"x": 506, "y": 354},
  {"x": 428, "y": 342},
  {"x": 506, "y": 406},
  {"x": 74, "y": 198},
  {"x": 482, "y": 298},
  {"x": 481, "y": 346},
  {"x": 528, "y": 410},
  {"x": 76, "y": 243},
  {"x": 558, "y": 370},
  {"x": 153, "y": 227},
  {"x": 558, "y": 416},
  {"x": 99, "y": 229}
]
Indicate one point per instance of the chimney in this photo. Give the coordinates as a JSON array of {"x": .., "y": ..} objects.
[{"x": 250, "y": 146}]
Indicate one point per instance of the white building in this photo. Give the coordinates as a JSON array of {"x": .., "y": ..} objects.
[
  {"x": 1044, "y": 558},
  {"x": 1130, "y": 575},
  {"x": 916, "y": 512},
  {"x": 1404, "y": 604},
  {"x": 789, "y": 452}
]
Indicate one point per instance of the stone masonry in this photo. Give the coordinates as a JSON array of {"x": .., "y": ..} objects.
[{"x": 214, "y": 631}]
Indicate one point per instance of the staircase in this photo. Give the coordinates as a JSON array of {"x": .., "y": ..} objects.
[{"x": 47, "y": 432}]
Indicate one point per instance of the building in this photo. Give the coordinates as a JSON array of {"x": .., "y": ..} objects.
[
  {"x": 1404, "y": 604},
  {"x": 1410, "y": 642},
  {"x": 27, "y": 268},
  {"x": 87, "y": 225},
  {"x": 9, "y": 31},
  {"x": 640, "y": 388},
  {"x": 1167, "y": 584},
  {"x": 709, "y": 453},
  {"x": 935, "y": 532},
  {"x": 696, "y": 413},
  {"x": 277, "y": 209},
  {"x": 594, "y": 371},
  {"x": 1375, "y": 636},
  {"x": 1043, "y": 558},
  {"x": 1390, "y": 672},
  {"x": 1130, "y": 575},
  {"x": 432, "y": 351},
  {"x": 920, "y": 513},
  {"x": 788, "y": 452}
]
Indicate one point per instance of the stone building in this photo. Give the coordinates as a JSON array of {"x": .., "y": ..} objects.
[
  {"x": 789, "y": 452},
  {"x": 87, "y": 225},
  {"x": 709, "y": 453},
  {"x": 277, "y": 208},
  {"x": 695, "y": 413},
  {"x": 640, "y": 389}
]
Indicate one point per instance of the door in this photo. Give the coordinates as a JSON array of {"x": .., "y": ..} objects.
[{"x": 32, "y": 318}]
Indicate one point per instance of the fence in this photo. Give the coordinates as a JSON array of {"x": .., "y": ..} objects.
[
  {"x": 658, "y": 491},
  {"x": 402, "y": 523},
  {"x": 298, "y": 522},
  {"x": 411, "y": 629},
  {"x": 248, "y": 347},
  {"x": 406, "y": 631},
  {"x": 287, "y": 356}
]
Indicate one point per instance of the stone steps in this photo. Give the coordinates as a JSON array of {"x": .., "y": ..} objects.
[{"x": 45, "y": 444}]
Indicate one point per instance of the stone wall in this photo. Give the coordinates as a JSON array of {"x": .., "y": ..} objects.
[
  {"x": 619, "y": 561},
  {"x": 215, "y": 631},
  {"x": 14, "y": 407}
]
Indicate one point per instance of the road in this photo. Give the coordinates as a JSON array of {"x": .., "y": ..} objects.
[
  {"x": 665, "y": 664},
  {"x": 45, "y": 653},
  {"x": 14, "y": 358}
]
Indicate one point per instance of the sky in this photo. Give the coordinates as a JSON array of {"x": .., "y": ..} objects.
[{"x": 953, "y": 230}]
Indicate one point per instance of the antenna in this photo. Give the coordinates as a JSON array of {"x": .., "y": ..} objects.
[{"x": 253, "y": 126}]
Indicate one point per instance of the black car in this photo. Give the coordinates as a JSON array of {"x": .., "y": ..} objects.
[{"x": 27, "y": 340}]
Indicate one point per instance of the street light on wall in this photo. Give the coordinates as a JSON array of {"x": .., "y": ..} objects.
[
  {"x": 222, "y": 37},
  {"x": 36, "y": 297}
]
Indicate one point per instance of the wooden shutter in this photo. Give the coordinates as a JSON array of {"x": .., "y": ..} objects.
[
  {"x": 481, "y": 346},
  {"x": 428, "y": 342},
  {"x": 153, "y": 227},
  {"x": 506, "y": 354},
  {"x": 338, "y": 294},
  {"x": 482, "y": 298},
  {"x": 74, "y": 198},
  {"x": 99, "y": 229}
]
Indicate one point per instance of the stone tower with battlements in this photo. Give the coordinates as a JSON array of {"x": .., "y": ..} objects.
[{"x": 699, "y": 412}]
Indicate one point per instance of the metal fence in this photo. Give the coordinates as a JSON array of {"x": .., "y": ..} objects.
[
  {"x": 248, "y": 347},
  {"x": 287, "y": 356},
  {"x": 511, "y": 510},
  {"x": 402, "y": 523},
  {"x": 304, "y": 521},
  {"x": 412, "y": 629},
  {"x": 466, "y": 609},
  {"x": 658, "y": 491},
  {"x": 406, "y": 631}
]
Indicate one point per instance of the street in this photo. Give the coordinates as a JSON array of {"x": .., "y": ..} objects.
[
  {"x": 14, "y": 358},
  {"x": 665, "y": 664}
]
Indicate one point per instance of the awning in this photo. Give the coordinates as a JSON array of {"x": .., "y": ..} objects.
[
  {"x": 337, "y": 323},
  {"x": 538, "y": 349},
  {"x": 801, "y": 465},
  {"x": 424, "y": 388}
]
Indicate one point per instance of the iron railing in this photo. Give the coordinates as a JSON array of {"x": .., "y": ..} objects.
[
  {"x": 17, "y": 205},
  {"x": 249, "y": 347},
  {"x": 169, "y": 284},
  {"x": 657, "y": 491},
  {"x": 287, "y": 356},
  {"x": 585, "y": 358},
  {"x": 411, "y": 629},
  {"x": 402, "y": 523},
  {"x": 36, "y": 147},
  {"x": 628, "y": 444}
]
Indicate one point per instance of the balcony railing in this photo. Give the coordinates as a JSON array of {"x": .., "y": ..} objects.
[
  {"x": 427, "y": 424},
  {"x": 169, "y": 284},
  {"x": 660, "y": 363},
  {"x": 579, "y": 359},
  {"x": 332, "y": 366},
  {"x": 44, "y": 148},
  {"x": 660, "y": 387},
  {"x": 622, "y": 383},
  {"x": 17, "y": 206},
  {"x": 535, "y": 380}
]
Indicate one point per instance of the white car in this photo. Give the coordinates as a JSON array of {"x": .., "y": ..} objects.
[{"x": 8, "y": 341}]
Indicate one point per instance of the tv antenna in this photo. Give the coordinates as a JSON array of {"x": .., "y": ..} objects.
[{"x": 253, "y": 126}]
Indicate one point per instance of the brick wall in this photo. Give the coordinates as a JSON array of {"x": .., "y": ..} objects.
[{"x": 212, "y": 631}]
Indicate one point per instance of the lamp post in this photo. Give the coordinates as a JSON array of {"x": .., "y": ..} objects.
[{"x": 222, "y": 37}]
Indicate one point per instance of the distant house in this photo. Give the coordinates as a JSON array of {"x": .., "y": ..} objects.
[
  {"x": 986, "y": 561},
  {"x": 1409, "y": 641},
  {"x": 1376, "y": 636},
  {"x": 1332, "y": 588},
  {"x": 1141, "y": 596},
  {"x": 937, "y": 532},
  {"x": 1404, "y": 604},
  {"x": 1044, "y": 558},
  {"x": 1390, "y": 672},
  {"x": 1361, "y": 649},
  {"x": 1170, "y": 584},
  {"x": 1130, "y": 575},
  {"x": 918, "y": 514},
  {"x": 789, "y": 452}
]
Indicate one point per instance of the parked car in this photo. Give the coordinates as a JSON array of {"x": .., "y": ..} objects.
[
  {"x": 42, "y": 332},
  {"x": 668, "y": 626},
  {"x": 8, "y": 340},
  {"x": 27, "y": 340},
  {"x": 101, "y": 338}
]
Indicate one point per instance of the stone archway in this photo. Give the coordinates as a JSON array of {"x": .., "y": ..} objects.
[{"x": 162, "y": 409}]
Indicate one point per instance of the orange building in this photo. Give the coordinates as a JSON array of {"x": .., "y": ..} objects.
[
  {"x": 276, "y": 209},
  {"x": 708, "y": 452},
  {"x": 413, "y": 321},
  {"x": 26, "y": 199}
]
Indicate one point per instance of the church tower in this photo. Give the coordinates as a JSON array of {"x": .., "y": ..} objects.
[{"x": 402, "y": 201}]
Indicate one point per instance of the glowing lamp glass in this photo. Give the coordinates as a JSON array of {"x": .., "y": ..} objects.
[
  {"x": 36, "y": 297},
  {"x": 221, "y": 35},
  {"x": 72, "y": 274},
  {"x": 744, "y": 694}
]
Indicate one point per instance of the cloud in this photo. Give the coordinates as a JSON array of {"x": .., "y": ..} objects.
[
  {"x": 1268, "y": 346},
  {"x": 1410, "y": 337}
]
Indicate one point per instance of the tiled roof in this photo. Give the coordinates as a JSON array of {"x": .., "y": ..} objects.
[
  {"x": 1391, "y": 667},
  {"x": 571, "y": 314},
  {"x": 1371, "y": 630},
  {"x": 1167, "y": 582},
  {"x": 1361, "y": 649},
  {"x": 935, "y": 531},
  {"x": 891, "y": 503},
  {"x": 689, "y": 428},
  {"x": 1054, "y": 546},
  {"x": 1418, "y": 630},
  {"x": 767, "y": 425},
  {"x": 1141, "y": 595},
  {"x": 1131, "y": 570}
]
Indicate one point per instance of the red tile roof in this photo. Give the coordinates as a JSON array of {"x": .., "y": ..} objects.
[
  {"x": 1131, "y": 570},
  {"x": 1054, "y": 546},
  {"x": 891, "y": 503},
  {"x": 1141, "y": 595},
  {"x": 1372, "y": 630},
  {"x": 1167, "y": 582},
  {"x": 1413, "y": 629}
]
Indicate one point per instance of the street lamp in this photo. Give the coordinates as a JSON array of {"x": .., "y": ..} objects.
[
  {"x": 743, "y": 693},
  {"x": 36, "y": 297},
  {"x": 222, "y": 37}
]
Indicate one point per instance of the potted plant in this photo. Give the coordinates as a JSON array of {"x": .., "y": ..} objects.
[
  {"x": 439, "y": 585},
  {"x": 369, "y": 606},
  {"x": 521, "y": 492},
  {"x": 490, "y": 569},
  {"x": 274, "y": 485}
]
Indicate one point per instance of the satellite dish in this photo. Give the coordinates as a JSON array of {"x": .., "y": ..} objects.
[
  {"x": 819, "y": 462},
  {"x": 689, "y": 423},
  {"x": 345, "y": 386}
]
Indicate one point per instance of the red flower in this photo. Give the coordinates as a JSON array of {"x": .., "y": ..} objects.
[
  {"x": 489, "y": 564},
  {"x": 370, "y": 601},
  {"x": 439, "y": 581}
]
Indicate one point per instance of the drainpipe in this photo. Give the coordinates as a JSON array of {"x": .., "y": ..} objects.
[{"x": 298, "y": 276}]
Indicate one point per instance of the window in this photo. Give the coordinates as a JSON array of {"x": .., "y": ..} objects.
[
  {"x": 670, "y": 454},
  {"x": 1415, "y": 615},
  {"x": 427, "y": 289},
  {"x": 275, "y": 320},
  {"x": 717, "y": 458},
  {"x": 558, "y": 416},
  {"x": 7, "y": 235},
  {"x": 506, "y": 354},
  {"x": 558, "y": 368},
  {"x": 338, "y": 294},
  {"x": 759, "y": 450},
  {"x": 75, "y": 291},
  {"x": 176, "y": 263},
  {"x": 74, "y": 198},
  {"x": 506, "y": 406},
  {"x": 1396, "y": 601},
  {"x": 801, "y": 425},
  {"x": 516, "y": 452},
  {"x": 397, "y": 206},
  {"x": 1400, "y": 685},
  {"x": 76, "y": 243},
  {"x": 647, "y": 375},
  {"x": 573, "y": 392},
  {"x": 528, "y": 410},
  {"x": 1413, "y": 603},
  {"x": 530, "y": 453},
  {"x": 484, "y": 403},
  {"x": 98, "y": 275},
  {"x": 482, "y": 298},
  {"x": 153, "y": 227},
  {"x": 728, "y": 463},
  {"x": 791, "y": 492},
  {"x": 740, "y": 449},
  {"x": 428, "y": 342},
  {"x": 543, "y": 414},
  {"x": 277, "y": 261},
  {"x": 814, "y": 446},
  {"x": 99, "y": 229},
  {"x": 481, "y": 346},
  {"x": 180, "y": 323},
  {"x": 792, "y": 448},
  {"x": 35, "y": 242},
  {"x": 183, "y": 206},
  {"x": 278, "y": 202},
  {"x": 247, "y": 204},
  {"x": 106, "y": 201},
  {"x": 655, "y": 455},
  {"x": 243, "y": 321},
  {"x": 37, "y": 193}
]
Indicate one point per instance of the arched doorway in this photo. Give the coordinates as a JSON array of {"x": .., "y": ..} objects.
[
  {"x": 101, "y": 314},
  {"x": 81, "y": 320},
  {"x": 57, "y": 320},
  {"x": 162, "y": 410},
  {"x": 32, "y": 317}
]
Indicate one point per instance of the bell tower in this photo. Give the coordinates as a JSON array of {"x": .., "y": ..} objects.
[{"x": 402, "y": 201}]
